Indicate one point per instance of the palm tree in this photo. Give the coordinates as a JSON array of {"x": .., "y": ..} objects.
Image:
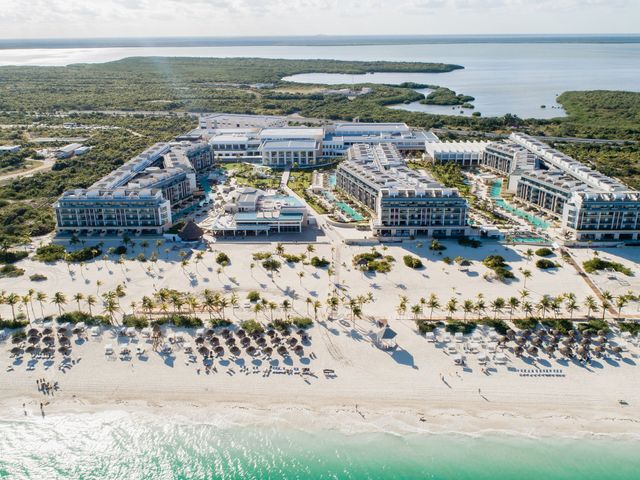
[
  {"x": 433, "y": 303},
  {"x": 300, "y": 274},
  {"x": 90, "y": 301},
  {"x": 497, "y": 306},
  {"x": 78, "y": 297},
  {"x": 524, "y": 294},
  {"x": 280, "y": 249},
  {"x": 467, "y": 308},
  {"x": 257, "y": 308},
  {"x": 527, "y": 275},
  {"x": 223, "y": 304},
  {"x": 590, "y": 304},
  {"x": 402, "y": 306},
  {"x": 147, "y": 305},
  {"x": 59, "y": 299},
  {"x": 316, "y": 306},
  {"x": 177, "y": 301},
  {"x": 514, "y": 303},
  {"x": 41, "y": 297},
  {"x": 621, "y": 302},
  {"x": 605, "y": 303},
  {"x": 12, "y": 299},
  {"x": 527, "y": 308},
  {"x": 544, "y": 305},
  {"x": 286, "y": 305},
  {"x": 452, "y": 306},
  {"x": 30, "y": 293},
  {"x": 571, "y": 306},
  {"x": 529, "y": 254},
  {"x": 310, "y": 249},
  {"x": 416, "y": 310},
  {"x": 25, "y": 301},
  {"x": 333, "y": 302},
  {"x": 479, "y": 307},
  {"x": 110, "y": 306},
  {"x": 192, "y": 303}
]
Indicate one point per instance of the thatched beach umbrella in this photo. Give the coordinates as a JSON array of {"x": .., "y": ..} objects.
[
  {"x": 251, "y": 350},
  {"x": 532, "y": 350},
  {"x": 16, "y": 339},
  {"x": 503, "y": 339},
  {"x": 598, "y": 349},
  {"x": 261, "y": 342},
  {"x": 299, "y": 349},
  {"x": 235, "y": 351},
  {"x": 292, "y": 341},
  {"x": 581, "y": 351},
  {"x": 16, "y": 350},
  {"x": 230, "y": 341},
  {"x": 241, "y": 333},
  {"x": 204, "y": 351},
  {"x": 199, "y": 340},
  {"x": 267, "y": 351},
  {"x": 30, "y": 349},
  {"x": 520, "y": 340},
  {"x": 301, "y": 331},
  {"x": 48, "y": 339},
  {"x": 219, "y": 350},
  {"x": 33, "y": 332},
  {"x": 226, "y": 332},
  {"x": 601, "y": 339},
  {"x": 64, "y": 350},
  {"x": 566, "y": 351},
  {"x": 245, "y": 342},
  {"x": 275, "y": 340},
  {"x": 62, "y": 330},
  {"x": 271, "y": 332},
  {"x": 47, "y": 331},
  {"x": 209, "y": 332},
  {"x": 601, "y": 333},
  {"x": 616, "y": 349},
  {"x": 33, "y": 340},
  {"x": 215, "y": 341},
  {"x": 518, "y": 350},
  {"x": 511, "y": 333},
  {"x": 585, "y": 342},
  {"x": 282, "y": 350},
  {"x": 47, "y": 352},
  {"x": 549, "y": 349},
  {"x": 64, "y": 341}
]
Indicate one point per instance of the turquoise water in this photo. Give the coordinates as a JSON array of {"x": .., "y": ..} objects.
[
  {"x": 343, "y": 206},
  {"x": 331, "y": 181},
  {"x": 532, "y": 219},
  {"x": 119, "y": 445}
]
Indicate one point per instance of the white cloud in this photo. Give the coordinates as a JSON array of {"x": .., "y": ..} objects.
[{"x": 60, "y": 18}]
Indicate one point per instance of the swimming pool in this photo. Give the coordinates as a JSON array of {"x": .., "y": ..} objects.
[
  {"x": 537, "y": 222},
  {"x": 343, "y": 206}
]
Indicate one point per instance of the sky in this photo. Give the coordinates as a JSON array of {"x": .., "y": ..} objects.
[{"x": 132, "y": 18}]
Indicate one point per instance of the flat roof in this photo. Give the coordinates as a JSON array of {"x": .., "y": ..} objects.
[
  {"x": 287, "y": 132},
  {"x": 289, "y": 145}
]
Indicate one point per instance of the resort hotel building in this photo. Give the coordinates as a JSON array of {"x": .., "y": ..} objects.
[
  {"x": 403, "y": 201},
  {"x": 251, "y": 211},
  {"x": 589, "y": 205},
  {"x": 282, "y": 147},
  {"x": 139, "y": 197}
]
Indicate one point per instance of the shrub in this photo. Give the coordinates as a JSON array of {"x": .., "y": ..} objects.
[
  {"x": 183, "y": 321},
  {"x": 258, "y": 256},
  {"x": 563, "y": 325},
  {"x": 412, "y": 262},
  {"x": 253, "y": 296},
  {"x": 525, "y": 323},
  {"x": 425, "y": 326},
  {"x": 319, "y": 262},
  {"x": 50, "y": 253},
  {"x": 135, "y": 321},
  {"x": 223, "y": 259},
  {"x": 301, "y": 322},
  {"x": 280, "y": 325},
  {"x": 219, "y": 322},
  {"x": 12, "y": 256},
  {"x": 251, "y": 327},
  {"x": 271, "y": 265},
  {"x": 292, "y": 258},
  {"x": 592, "y": 326},
  {"x": 37, "y": 277},
  {"x": 455, "y": 326},
  {"x": 469, "y": 242},
  {"x": 437, "y": 246},
  {"x": 631, "y": 327},
  {"x": 119, "y": 250},
  {"x": 75, "y": 317},
  {"x": 17, "y": 323},
  {"x": 499, "y": 266},
  {"x": 10, "y": 271},
  {"x": 496, "y": 324},
  {"x": 84, "y": 254},
  {"x": 141, "y": 257},
  {"x": 544, "y": 252},
  {"x": 373, "y": 262},
  {"x": 545, "y": 264},
  {"x": 596, "y": 264}
]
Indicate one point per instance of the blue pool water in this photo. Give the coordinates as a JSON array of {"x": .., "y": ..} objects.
[
  {"x": 343, "y": 206},
  {"x": 537, "y": 222}
]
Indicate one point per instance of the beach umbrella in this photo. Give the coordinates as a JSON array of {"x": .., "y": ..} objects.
[
  {"x": 598, "y": 349},
  {"x": 511, "y": 333},
  {"x": 226, "y": 333},
  {"x": 305, "y": 338},
  {"x": 155, "y": 327},
  {"x": 203, "y": 351},
  {"x": 230, "y": 341},
  {"x": 601, "y": 339},
  {"x": 251, "y": 350},
  {"x": 601, "y": 333},
  {"x": 585, "y": 341},
  {"x": 64, "y": 350},
  {"x": 566, "y": 351},
  {"x": 33, "y": 340},
  {"x": 47, "y": 352},
  {"x": 550, "y": 349},
  {"x": 47, "y": 331},
  {"x": 567, "y": 341},
  {"x": 209, "y": 332},
  {"x": 301, "y": 331},
  {"x": 30, "y": 349},
  {"x": 586, "y": 334},
  {"x": 62, "y": 330},
  {"x": 245, "y": 342},
  {"x": 299, "y": 349},
  {"x": 235, "y": 351},
  {"x": 292, "y": 341},
  {"x": 199, "y": 340},
  {"x": 520, "y": 340},
  {"x": 261, "y": 342},
  {"x": 16, "y": 339},
  {"x": 48, "y": 339},
  {"x": 219, "y": 350},
  {"x": 256, "y": 335},
  {"x": 64, "y": 341},
  {"x": 582, "y": 351},
  {"x": 77, "y": 331},
  {"x": 503, "y": 339},
  {"x": 33, "y": 332},
  {"x": 16, "y": 350},
  {"x": 537, "y": 341},
  {"x": 271, "y": 332},
  {"x": 616, "y": 349},
  {"x": 282, "y": 350},
  {"x": 241, "y": 333},
  {"x": 267, "y": 351},
  {"x": 532, "y": 350},
  {"x": 215, "y": 341}
]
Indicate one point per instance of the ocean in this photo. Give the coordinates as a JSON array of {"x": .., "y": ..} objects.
[
  {"x": 506, "y": 74},
  {"x": 119, "y": 445}
]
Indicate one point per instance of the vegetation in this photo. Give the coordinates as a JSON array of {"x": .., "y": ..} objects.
[
  {"x": 12, "y": 256},
  {"x": 253, "y": 296},
  {"x": 425, "y": 326},
  {"x": 14, "y": 323},
  {"x": 87, "y": 318},
  {"x": 412, "y": 262},
  {"x": 50, "y": 253},
  {"x": 562, "y": 325},
  {"x": 290, "y": 258},
  {"x": 544, "y": 252},
  {"x": 545, "y": 264},
  {"x": 455, "y": 326},
  {"x": 37, "y": 277},
  {"x": 251, "y": 327},
  {"x": 596, "y": 264},
  {"x": 446, "y": 96},
  {"x": 10, "y": 271},
  {"x": 319, "y": 262},
  {"x": 469, "y": 242},
  {"x": 373, "y": 261},
  {"x": 499, "y": 267},
  {"x": 437, "y": 246},
  {"x": 499, "y": 325},
  {"x": 223, "y": 259},
  {"x": 525, "y": 323},
  {"x": 259, "y": 256},
  {"x": 631, "y": 327},
  {"x": 593, "y": 326},
  {"x": 180, "y": 321}
]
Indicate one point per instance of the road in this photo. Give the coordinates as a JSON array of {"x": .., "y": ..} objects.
[{"x": 47, "y": 163}]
